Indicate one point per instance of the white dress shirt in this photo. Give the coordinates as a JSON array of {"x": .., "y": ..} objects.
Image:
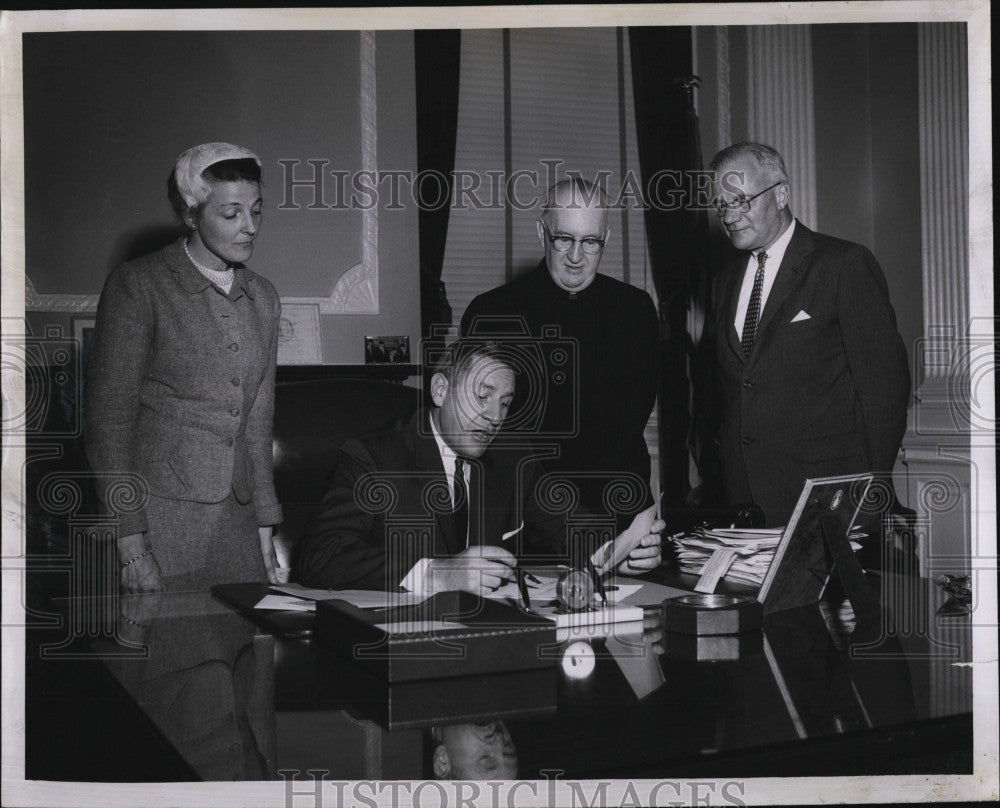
[
  {"x": 775, "y": 253},
  {"x": 415, "y": 580},
  {"x": 448, "y": 458}
]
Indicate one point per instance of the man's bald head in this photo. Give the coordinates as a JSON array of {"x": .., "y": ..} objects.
[{"x": 573, "y": 194}]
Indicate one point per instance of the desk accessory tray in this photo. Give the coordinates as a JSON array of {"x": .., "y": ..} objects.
[
  {"x": 449, "y": 634},
  {"x": 421, "y": 703}
]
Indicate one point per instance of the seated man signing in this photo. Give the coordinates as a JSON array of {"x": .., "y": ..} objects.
[{"x": 436, "y": 506}]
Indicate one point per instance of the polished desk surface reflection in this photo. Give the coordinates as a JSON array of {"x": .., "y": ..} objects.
[{"x": 185, "y": 688}]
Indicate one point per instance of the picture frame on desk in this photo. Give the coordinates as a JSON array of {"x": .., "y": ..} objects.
[
  {"x": 83, "y": 337},
  {"x": 816, "y": 542},
  {"x": 387, "y": 350}
]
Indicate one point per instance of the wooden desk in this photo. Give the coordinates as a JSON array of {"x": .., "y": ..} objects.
[{"x": 219, "y": 698}]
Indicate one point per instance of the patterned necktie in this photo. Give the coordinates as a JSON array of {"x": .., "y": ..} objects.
[
  {"x": 460, "y": 503},
  {"x": 753, "y": 310}
]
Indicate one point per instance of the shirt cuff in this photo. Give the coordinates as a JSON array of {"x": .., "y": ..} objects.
[{"x": 415, "y": 580}]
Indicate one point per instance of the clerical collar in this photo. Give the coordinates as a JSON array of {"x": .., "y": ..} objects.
[{"x": 552, "y": 287}]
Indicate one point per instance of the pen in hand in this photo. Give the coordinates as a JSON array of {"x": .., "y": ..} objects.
[
  {"x": 523, "y": 588},
  {"x": 598, "y": 584}
]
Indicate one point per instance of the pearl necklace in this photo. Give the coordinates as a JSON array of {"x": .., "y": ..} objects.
[{"x": 220, "y": 277}]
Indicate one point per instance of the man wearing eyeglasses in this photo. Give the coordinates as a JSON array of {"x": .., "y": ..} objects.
[
  {"x": 593, "y": 407},
  {"x": 811, "y": 373}
]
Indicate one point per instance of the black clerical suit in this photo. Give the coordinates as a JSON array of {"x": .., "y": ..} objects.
[
  {"x": 388, "y": 506},
  {"x": 594, "y": 407}
]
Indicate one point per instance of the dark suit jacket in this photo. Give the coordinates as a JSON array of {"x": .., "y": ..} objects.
[
  {"x": 388, "y": 506},
  {"x": 822, "y": 396}
]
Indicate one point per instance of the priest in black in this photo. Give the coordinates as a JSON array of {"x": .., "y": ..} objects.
[{"x": 590, "y": 354}]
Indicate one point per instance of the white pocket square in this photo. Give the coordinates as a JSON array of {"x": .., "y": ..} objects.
[
  {"x": 512, "y": 533},
  {"x": 798, "y": 318}
]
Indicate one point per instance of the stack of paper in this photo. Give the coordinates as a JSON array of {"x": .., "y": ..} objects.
[{"x": 754, "y": 548}]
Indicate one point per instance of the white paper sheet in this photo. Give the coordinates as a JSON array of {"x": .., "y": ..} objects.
[
  {"x": 285, "y": 603},
  {"x": 617, "y": 595},
  {"x": 543, "y": 592},
  {"x": 418, "y": 626},
  {"x": 362, "y": 598},
  {"x": 628, "y": 540}
]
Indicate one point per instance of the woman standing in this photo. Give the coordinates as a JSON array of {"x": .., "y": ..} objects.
[{"x": 180, "y": 389}]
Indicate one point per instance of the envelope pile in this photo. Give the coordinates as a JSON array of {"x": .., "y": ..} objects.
[
  {"x": 754, "y": 548},
  {"x": 754, "y": 551}
]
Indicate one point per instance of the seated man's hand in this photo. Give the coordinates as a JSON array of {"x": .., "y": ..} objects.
[
  {"x": 479, "y": 570},
  {"x": 646, "y": 555}
]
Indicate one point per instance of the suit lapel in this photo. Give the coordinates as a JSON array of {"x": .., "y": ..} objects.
[
  {"x": 427, "y": 457},
  {"x": 731, "y": 302},
  {"x": 788, "y": 275}
]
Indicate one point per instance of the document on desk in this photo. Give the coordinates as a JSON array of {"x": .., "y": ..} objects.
[
  {"x": 618, "y": 592},
  {"x": 753, "y": 549},
  {"x": 617, "y": 550},
  {"x": 748, "y": 552},
  {"x": 362, "y": 598},
  {"x": 418, "y": 626},
  {"x": 285, "y": 603}
]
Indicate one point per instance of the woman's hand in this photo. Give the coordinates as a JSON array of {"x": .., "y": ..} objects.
[
  {"x": 136, "y": 615},
  {"x": 139, "y": 571},
  {"x": 267, "y": 551}
]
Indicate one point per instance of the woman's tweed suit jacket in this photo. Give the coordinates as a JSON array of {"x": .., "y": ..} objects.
[{"x": 180, "y": 386}]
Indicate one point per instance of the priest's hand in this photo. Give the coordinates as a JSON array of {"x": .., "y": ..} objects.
[{"x": 646, "y": 555}]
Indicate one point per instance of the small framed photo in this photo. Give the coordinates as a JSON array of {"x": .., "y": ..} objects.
[
  {"x": 83, "y": 337},
  {"x": 387, "y": 350}
]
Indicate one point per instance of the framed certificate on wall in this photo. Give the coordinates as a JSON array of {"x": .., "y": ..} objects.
[{"x": 298, "y": 335}]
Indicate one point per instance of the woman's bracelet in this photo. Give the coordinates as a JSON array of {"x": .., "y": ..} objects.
[
  {"x": 132, "y": 622},
  {"x": 131, "y": 561}
]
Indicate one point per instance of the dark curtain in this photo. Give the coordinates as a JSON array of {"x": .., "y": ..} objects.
[
  {"x": 436, "y": 58},
  {"x": 668, "y": 141}
]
